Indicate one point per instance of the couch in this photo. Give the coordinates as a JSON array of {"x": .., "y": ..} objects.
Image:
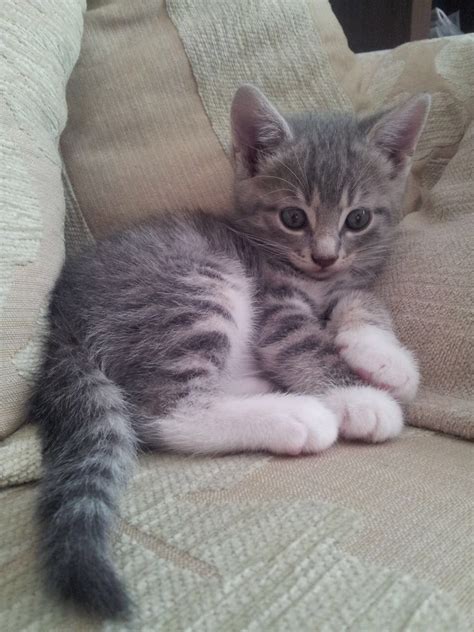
[{"x": 358, "y": 538}]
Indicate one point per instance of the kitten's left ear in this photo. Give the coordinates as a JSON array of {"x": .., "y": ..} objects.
[
  {"x": 257, "y": 127},
  {"x": 398, "y": 131}
]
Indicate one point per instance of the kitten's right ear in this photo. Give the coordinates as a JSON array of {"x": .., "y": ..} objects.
[
  {"x": 396, "y": 133},
  {"x": 257, "y": 127}
]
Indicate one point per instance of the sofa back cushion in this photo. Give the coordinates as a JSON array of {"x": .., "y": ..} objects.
[{"x": 39, "y": 49}]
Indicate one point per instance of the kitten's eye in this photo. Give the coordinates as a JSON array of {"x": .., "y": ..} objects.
[
  {"x": 358, "y": 219},
  {"x": 293, "y": 218}
]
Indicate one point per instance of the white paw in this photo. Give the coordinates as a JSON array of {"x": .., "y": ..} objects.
[
  {"x": 378, "y": 358},
  {"x": 365, "y": 413},
  {"x": 302, "y": 424}
]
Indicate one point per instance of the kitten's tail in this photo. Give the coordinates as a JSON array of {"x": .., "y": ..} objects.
[{"x": 88, "y": 450}]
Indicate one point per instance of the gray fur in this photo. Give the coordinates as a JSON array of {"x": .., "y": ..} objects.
[{"x": 144, "y": 322}]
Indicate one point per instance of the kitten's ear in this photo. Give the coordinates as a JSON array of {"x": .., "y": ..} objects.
[
  {"x": 397, "y": 132},
  {"x": 257, "y": 127}
]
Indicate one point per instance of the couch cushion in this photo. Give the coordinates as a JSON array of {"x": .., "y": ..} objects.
[
  {"x": 429, "y": 282},
  {"x": 360, "y": 538},
  {"x": 288, "y": 49},
  {"x": 40, "y": 43},
  {"x": 138, "y": 138}
]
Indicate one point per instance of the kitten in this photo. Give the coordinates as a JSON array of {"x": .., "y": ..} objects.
[{"x": 207, "y": 335}]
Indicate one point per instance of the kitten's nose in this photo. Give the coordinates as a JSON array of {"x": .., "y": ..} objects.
[{"x": 324, "y": 262}]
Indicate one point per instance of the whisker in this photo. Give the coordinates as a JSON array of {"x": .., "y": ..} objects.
[
  {"x": 303, "y": 173},
  {"x": 286, "y": 197},
  {"x": 261, "y": 242},
  {"x": 293, "y": 187},
  {"x": 275, "y": 191},
  {"x": 266, "y": 154},
  {"x": 290, "y": 170}
]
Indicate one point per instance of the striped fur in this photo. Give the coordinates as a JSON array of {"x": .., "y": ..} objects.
[{"x": 207, "y": 335}]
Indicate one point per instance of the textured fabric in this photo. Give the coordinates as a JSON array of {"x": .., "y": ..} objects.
[
  {"x": 361, "y": 538},
  {"x": 155, "y": 148},
  {"x": 138, "y": 139},
  {"x": 40, "y": 44},
  {"x": 20, "y": 458},
  {"x": 77, "y": 235},
  {"x": 429, "y": 282},
  {"x": 275, "y": 45}
]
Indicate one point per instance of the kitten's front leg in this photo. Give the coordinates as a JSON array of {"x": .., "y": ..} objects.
[
  {"x": 298, "y": 355},
  {"x": 365, "y": 340}
]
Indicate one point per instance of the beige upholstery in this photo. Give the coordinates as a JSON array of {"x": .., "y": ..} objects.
[
  {"x": 40, "y": 44},
  {"x": 138, "y": 138},
  {"x": 360, "y": 538}
]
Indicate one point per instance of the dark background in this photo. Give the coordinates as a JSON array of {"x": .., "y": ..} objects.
[{"x": 381, "y": 24}]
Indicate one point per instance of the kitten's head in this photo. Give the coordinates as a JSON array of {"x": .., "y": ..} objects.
[{"x": 322, "y": 190}]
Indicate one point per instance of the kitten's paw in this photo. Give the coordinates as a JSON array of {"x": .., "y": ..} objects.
[
  {"x": 365, "y": 413},
  {"x": 378, "y": 358},
  {"x": 302, "y": 424},
  {"x": 321, "y": 424}
]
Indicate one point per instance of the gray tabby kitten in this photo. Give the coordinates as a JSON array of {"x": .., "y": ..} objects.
[{"x": 207, "y": 335}]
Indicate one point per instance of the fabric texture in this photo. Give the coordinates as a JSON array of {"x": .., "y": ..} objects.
[
  {"x": 429, "y": 282},
  {"x": 279, "y": 46},
  {"x": 77, "y": 235},
  {"x": 359, "y": 538},
  {"x": 20, "y": 457},
  {"x": 138, "y": 139},
  {"x": 40, "y": 44}
]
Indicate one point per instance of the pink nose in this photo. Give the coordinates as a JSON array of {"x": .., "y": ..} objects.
[{"x": 323, "y": 262}]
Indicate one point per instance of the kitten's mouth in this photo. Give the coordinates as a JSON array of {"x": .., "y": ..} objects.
[{"x": 315, "y": 272}]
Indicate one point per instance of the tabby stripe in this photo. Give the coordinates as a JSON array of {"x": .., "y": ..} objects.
[
  {"x": 306, "y": 345},
  {"x": 210, "y": 307},
  {"x": 97, "y": 469},
  {"x": 281, "y": 291},
  {"x": 213, "y": 344},
  {"x": 210, "y": 273},
  {"x": 285, "y": 291},
  {"x": 285, "y": 326},
  {"x": 268, "y": 312},
  {"x": 305, "y": 298},
  {"x": 57, "y": 500},
  {"x": 325, "y": 317},
  {"x": 187, "y": 319},
  {"x": 189, "y": 374}
]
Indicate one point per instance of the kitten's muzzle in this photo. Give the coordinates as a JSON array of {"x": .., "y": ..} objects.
[{"x": 324, "y": 262}]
